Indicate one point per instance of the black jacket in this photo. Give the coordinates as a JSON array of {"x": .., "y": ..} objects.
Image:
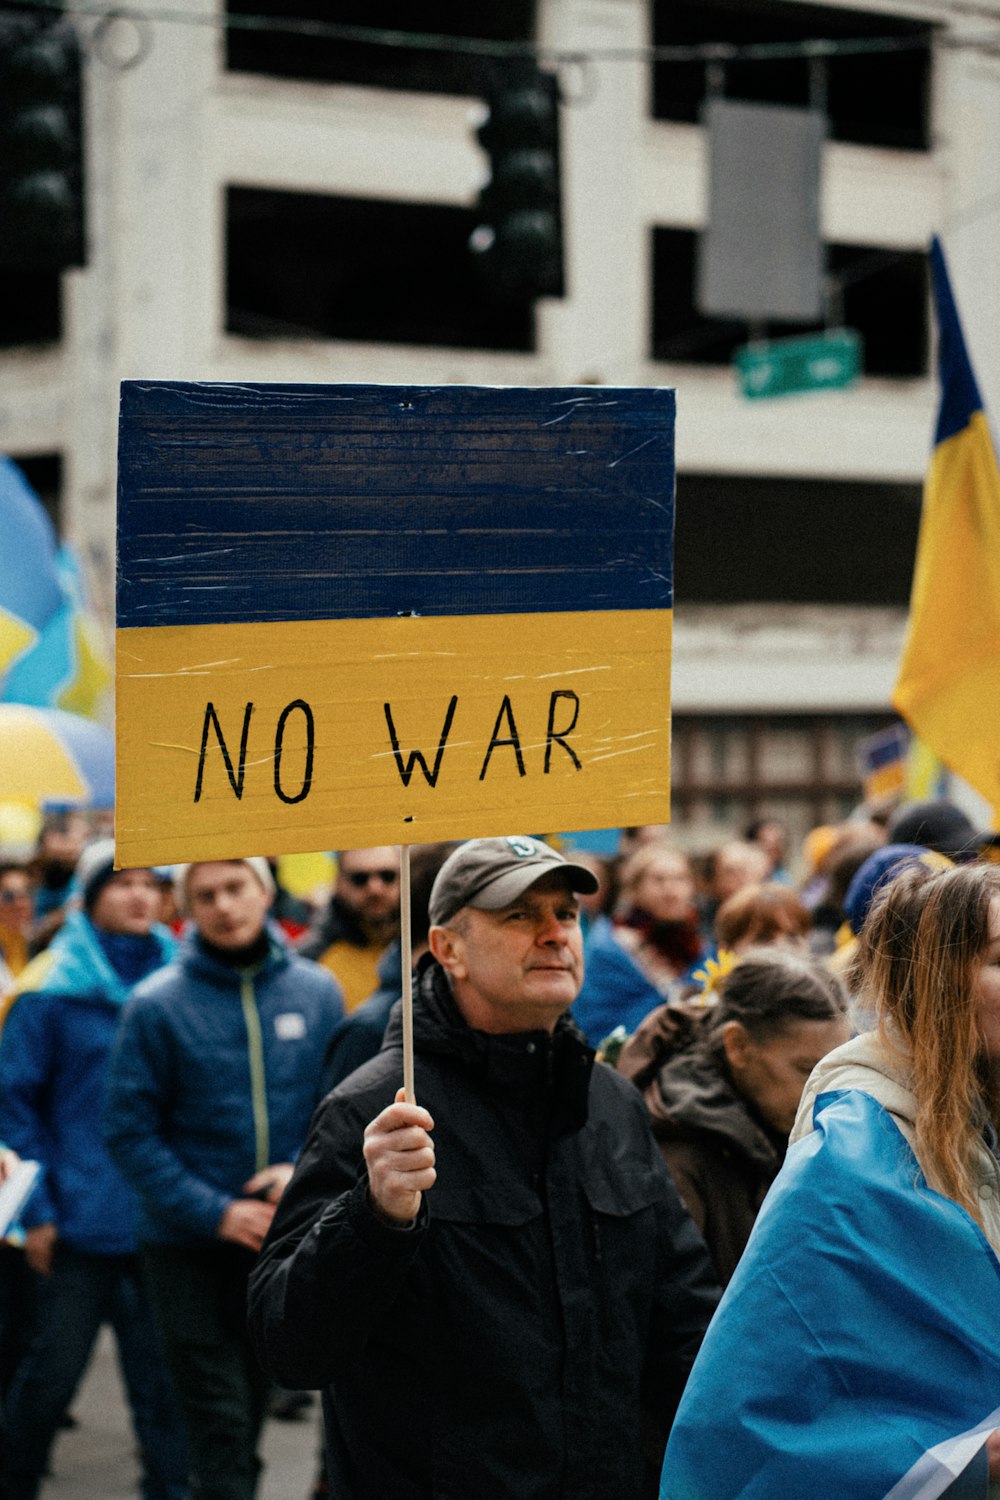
[{"x": 552, "y": 1287}]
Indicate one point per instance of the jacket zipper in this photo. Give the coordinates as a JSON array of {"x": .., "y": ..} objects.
[{"x": 258, "y": 1078}]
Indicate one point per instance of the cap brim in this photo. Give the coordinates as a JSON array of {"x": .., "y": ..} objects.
[{"x": 513, "y": 883}]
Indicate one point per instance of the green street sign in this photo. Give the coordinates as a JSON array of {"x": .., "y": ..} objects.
[{"x": 785, "y": 367}]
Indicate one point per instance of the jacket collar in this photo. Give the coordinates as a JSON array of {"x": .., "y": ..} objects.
[
  {"x": 196, "y": 957},
  {"x": 556, "y": 1066},
  {"x": 76, "y": 964}
]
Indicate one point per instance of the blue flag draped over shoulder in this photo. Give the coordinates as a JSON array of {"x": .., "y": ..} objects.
[{"x": 856, "y": 1352}]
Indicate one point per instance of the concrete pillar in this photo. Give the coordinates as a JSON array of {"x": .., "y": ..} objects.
[
  {"x": 147, "y": 302},
  {"x": 600, "y": 332},
  {"x": 967, "y": 112}
]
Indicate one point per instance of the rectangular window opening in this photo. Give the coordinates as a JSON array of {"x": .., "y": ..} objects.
[
  {"x": 306, "y": 266},
  {"x": 883, "y": 295},
  {"x": 256, "y": 43},
  {"x": 873, "y": 98}
]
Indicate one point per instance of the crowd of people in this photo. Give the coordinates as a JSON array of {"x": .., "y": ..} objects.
[{"x": 501, "y": 1286}]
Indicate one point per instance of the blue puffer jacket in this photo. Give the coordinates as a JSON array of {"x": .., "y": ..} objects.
[
  {"x": 54, "y": 1054},
  {"x": 216, "y": 1073},
  {"x": 615, "y": 991}
]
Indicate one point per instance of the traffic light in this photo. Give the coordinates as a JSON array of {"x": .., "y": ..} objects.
[
  {"x": 41, "y": 156},
  {"x": 518, "y": 243}
]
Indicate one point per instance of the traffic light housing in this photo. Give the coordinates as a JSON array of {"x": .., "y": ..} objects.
[
  {"x": 41, "y": 148},
  {"x": 518, "y": 243}
]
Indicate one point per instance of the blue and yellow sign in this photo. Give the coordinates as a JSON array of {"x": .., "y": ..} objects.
[{"x": 359, "y": 615}]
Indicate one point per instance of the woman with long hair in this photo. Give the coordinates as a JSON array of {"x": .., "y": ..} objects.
[
  {"x": 634, "y": 958},
  {"x": 857, "y": 1349},
  {"x": 723, "y": 1082}
]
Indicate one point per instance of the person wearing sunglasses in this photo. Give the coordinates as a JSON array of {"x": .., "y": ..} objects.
[{"x": 360, "y": 921}]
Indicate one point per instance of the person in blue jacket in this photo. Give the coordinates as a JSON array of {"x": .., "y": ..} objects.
[
  {"x": 636, "y": 957},
  {"x": 216, "y": 1073},
  {"x": 80, "y": 1222}
]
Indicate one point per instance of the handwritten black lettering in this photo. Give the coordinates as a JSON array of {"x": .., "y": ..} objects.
[
  {"x": 279, "y": 738},
  {"x": 235, "y": 777},
  {"x": 558, "y": 736},
  {"x": 512, "y": 739},
  {"x": 416, "y": 757}
]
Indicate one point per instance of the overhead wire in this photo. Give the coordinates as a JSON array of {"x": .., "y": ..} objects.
[
  {"x": 712, "y": 54},
  {"x": 810, "y": 48}
]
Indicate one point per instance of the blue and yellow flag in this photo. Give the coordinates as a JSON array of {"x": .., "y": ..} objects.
[
  {"x": 359, "y": 615},
  {"x": 30, "y": 589},
  {"x": 68, "y": 665},
  {"x": 948, "y": 687},
  {"x": 855, "y": 1354}
]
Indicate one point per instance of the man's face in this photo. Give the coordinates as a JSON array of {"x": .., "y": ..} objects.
[
  {"x": 368, "y": 882},
  {"x": 127, "y": 903},
  {"x": 516, "y": 969},
  {"x": 227, "y": 903}
]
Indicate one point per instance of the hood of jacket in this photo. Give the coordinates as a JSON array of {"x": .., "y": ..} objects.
[
  {"x": 867, "y": 1064},
  {"x": 555, "y": 1067},
  {"x": 687, "y": 1090},
  {"x": 76, "y": 964}
]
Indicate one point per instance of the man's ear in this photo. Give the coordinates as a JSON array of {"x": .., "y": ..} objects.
[{"x": 448, "y": 947}]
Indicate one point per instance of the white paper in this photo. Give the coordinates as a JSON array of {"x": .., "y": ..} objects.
[{"x": 15, "y": 1190}]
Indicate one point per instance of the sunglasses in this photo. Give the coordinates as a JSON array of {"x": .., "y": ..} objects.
[{"x": 360, "y": 878}]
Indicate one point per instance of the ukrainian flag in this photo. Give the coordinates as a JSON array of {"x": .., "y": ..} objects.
[
  {"x": 358, "y": 615},
  {"x": 855, "y": 1355},
  {"x": 67, "y": 666},
  {"x": 30, "y": 590},
  {"x": 948, "y": 688}
]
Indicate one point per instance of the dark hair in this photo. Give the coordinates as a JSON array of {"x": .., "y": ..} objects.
[{"x": 771, "y": 988}]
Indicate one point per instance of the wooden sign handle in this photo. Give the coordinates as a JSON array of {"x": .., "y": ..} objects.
[{"x": 406, "y": 944}]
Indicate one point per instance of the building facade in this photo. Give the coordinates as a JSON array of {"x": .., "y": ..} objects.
[{"x": 272, "y": 203}]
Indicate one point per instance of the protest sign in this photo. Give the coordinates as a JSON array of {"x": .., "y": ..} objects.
[{"x": 361, "y": 615}]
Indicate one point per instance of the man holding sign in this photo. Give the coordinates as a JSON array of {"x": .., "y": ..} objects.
[{"x": 497, "y": 1285}]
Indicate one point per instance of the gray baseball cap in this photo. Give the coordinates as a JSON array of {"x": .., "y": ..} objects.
[{"x": 491, "y": 873}]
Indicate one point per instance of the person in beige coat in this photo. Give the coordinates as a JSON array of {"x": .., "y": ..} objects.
[
  {"x": 933, "y": 1059},
  {"x": 857, "y": 1348},
  {"x": 928, "y": 967}
]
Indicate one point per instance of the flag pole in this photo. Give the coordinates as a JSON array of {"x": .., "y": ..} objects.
[{"x": 406, "y": 944}]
